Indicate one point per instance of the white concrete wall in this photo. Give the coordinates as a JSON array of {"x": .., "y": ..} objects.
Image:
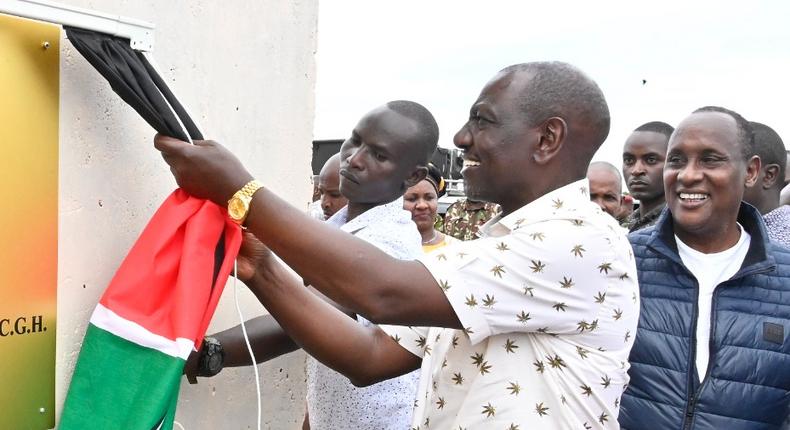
[{"x": 246, "y": 71}]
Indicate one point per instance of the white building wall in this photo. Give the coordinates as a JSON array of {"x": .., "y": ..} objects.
[{"x": 245, "y": 70}]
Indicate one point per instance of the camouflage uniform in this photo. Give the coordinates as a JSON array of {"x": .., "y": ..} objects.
[
  {"x": 636, "y": 222},
  {"x": 438, "y": 223},
  {"x": 464, "y": 217}
]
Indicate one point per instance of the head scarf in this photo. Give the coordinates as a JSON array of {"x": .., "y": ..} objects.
[{"x": 434, "y": 176}]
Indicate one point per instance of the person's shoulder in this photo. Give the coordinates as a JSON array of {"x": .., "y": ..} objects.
[
  {"x": 641, "y": 236},
  {"x": 400, "y": 243},
  {"x": 456, "y": 205},
  {"x": 778, "y": 277},
  {"x": 781, "y": 254},
  {"x": 783, "y": 210},
  {"x": 577, "y": 227},
  {"x": 392, "y": 225}
]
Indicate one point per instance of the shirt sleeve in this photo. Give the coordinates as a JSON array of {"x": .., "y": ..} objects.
[
  {"x": 549, "y": 277},
  {"x": 413, "y": 339}
]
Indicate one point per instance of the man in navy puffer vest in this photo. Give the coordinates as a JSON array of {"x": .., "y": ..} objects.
[{"x": 711, "y": 350}]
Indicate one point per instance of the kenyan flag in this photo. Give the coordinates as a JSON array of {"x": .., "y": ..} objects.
[{"x": 154, "y": 312}]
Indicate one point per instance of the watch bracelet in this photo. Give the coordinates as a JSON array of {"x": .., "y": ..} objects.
[{"x": 250, "y": 187}]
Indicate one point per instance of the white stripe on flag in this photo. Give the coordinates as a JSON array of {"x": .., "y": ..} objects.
[{"x": 108, "y": 320}]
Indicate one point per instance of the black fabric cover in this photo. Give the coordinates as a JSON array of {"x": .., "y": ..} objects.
[
  {"x": 135, "y": 80},
  {"x": 140, "y": 86}
]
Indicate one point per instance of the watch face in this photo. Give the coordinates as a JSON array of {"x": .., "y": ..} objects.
[
  {"x": 236, "y": 208},
  {"x": 214, "y": 363}
]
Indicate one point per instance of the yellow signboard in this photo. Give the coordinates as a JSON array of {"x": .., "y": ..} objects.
[{"x": 29, "y": 91}]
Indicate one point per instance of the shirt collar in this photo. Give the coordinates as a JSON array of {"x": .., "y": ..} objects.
[
  {"x": 392, "y": 210},
  {"x": 662, "y": 238},
  {"x": 567, "y": 199}
]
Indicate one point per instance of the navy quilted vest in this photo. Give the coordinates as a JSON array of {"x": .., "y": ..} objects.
[{"x": 748, "y": 378}]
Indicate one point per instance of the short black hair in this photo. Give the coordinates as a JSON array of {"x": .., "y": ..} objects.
[
  {"x": 657, "y": 127},
  {"x": 560, "y": 89},
  {"x": 745, "y": 133},
  {"x": 428, "y": 130},
  {"x": 770, "y": 148}
]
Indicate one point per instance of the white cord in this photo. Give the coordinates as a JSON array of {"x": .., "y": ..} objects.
[{"x": 247, "y": 340}]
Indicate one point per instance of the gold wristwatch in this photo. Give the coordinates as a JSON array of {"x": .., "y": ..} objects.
[{"x": 239, "y": 204}]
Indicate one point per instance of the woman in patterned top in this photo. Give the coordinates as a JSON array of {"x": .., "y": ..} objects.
[{"x": 422, "y": 201}]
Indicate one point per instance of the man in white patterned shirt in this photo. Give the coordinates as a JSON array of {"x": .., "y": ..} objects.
[
  {"x": 332, "y": 401},
  {"x": 373, "y": 216},
  {"x": 532, "y": 324},
  {"x": 548, "y": 299}
]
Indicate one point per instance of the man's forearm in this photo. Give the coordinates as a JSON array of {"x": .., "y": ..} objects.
[
  {"x": 353, "y": 273},
  {"x": 364, "y": 354},
  {"x": 267, "y": 338}
]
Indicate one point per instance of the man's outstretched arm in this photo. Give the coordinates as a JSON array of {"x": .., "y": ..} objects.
[
  {"x": 267, "y": 338},
  {"x": 352, "y": 272},
  {"x": 365, "y": 355},
  {"x": 349, "y": 271}
]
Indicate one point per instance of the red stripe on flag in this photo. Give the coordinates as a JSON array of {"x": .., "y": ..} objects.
[{"x": 165, "y": 282}]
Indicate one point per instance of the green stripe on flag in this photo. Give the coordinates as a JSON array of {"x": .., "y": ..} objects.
[{"x": 118, "y": 384}]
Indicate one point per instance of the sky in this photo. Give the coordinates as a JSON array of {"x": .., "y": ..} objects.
[{"x": 440, "y": 53}]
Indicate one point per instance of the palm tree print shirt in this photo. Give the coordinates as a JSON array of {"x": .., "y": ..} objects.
[{"x": 550, "y": 303}]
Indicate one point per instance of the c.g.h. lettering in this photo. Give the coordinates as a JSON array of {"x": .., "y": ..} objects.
[{"x": 22, "y": 325}]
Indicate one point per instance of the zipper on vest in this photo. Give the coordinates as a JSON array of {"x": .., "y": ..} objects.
[
  {"x": 692, "y": 394},
  {"x": 693, "y": 398},
  {"x": 711, "y": 352},
  {"x": 711, "y": 337}
]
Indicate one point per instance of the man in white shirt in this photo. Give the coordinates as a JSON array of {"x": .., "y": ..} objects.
[
  {"x": 374, "y": 214},
  {"x": 531, "y": 325},
  {"x": 710, "y": 351}
]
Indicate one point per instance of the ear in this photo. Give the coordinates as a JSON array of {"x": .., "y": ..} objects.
[
  {"x": 752, "y": 171},
  {"x": 417, "y": 175},
  {"x": 771, "y": 176},
  {"x": 552, "y": 137}
]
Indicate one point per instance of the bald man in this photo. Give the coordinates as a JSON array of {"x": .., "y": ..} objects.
[
  {"x": 332, "y": 200},
  {"x": 606, "y": 188},
  {"x": 529, "y": 326}
]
